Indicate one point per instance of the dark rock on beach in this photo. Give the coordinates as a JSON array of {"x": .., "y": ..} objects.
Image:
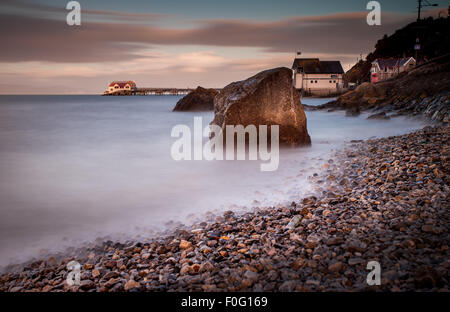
[
  {"x": 379, "y": 116},
  {"x": 268, "y": 98},
  {"x": 200, "y": 99}
]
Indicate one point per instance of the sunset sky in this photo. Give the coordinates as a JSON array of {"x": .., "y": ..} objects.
[{"x": 168, "y": 43}]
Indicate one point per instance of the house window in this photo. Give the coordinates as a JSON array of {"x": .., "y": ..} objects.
[
  {"x": 316, "y": 81},
  {"x": 334, "y": 81},
  {"x": 312, "y": 81},
  {"x": 330, "y": 81}
]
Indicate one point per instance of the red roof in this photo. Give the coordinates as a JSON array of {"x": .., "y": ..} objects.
[
  {"x": 123, "y": 83},
  {"x": 392, "y": 62}
]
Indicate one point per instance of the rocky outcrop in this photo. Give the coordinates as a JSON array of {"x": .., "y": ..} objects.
[
  {"x": 424, "y": 90},
  {"x": 268, "y": 98},
  {"x": 379, "y": 116},
  {"x": 200, "y": 99},
  {"x": 366, "y": 94}
]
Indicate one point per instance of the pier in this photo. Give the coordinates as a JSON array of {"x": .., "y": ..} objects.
[
  {"x": 161, "y": 91},
  {"x": 128, "y": 87},
  {"x": 151, "y": 91}
]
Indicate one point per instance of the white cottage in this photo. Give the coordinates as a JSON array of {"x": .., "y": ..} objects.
[
  {"x": 316, "y": 77},
  {"x": 121, "y": 87}
]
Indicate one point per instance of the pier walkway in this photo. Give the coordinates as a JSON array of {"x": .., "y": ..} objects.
[{"x": 152, "y": 91}]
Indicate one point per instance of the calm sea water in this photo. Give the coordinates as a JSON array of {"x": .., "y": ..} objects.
[{"x": 73, "y": 168}]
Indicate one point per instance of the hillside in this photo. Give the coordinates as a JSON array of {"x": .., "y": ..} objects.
[
  {"x": 434, "y": 37},
  {"x": 423, "y": 90}
]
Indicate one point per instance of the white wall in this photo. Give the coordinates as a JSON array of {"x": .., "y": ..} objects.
[
  {"x": 298, "y": 81},
  {"x": 127, "y": 87},
  {"x": 323, "y": 82}
]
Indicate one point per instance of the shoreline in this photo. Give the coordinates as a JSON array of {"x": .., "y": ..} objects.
[{"x": 381, "y": 200}]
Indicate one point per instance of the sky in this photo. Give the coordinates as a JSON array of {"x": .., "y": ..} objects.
[{"x": 179, "y": 43}]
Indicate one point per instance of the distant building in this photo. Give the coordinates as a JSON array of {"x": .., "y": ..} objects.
[
  {"x": 316, "y": 77},
  {"x": 121, "y": 87},
  {"x": 383, "y": 69}
]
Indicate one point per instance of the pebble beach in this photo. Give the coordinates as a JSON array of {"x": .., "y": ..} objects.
[{"x": 383, "y": 200}]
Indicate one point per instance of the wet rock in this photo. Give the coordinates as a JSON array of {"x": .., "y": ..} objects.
[
  {"x": 185, "y": 244},
  {"x": 335, "y": 241},
  {"x": 336, "y": 267},
  {"x": 200, "y": 99},
  {"x": 131, "y": 284},
  {"x": 111, "y": 274},
  {"x": 295, "y": 221},
  {"x": 95, "y": 273},
  {"x": 185, "y": 270},
  {"x": 379, "y": 116},
  {"x": 206, "y": 267},
  {"x": 288, "y": 286},
  {"x": 87, "y": 285},
  {"x": 268, "y": 98},
  {"x": 355, "y": 261},
  {"x": 356, "y": 246}
]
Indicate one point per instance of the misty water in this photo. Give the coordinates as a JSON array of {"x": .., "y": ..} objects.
[{"x": 74, "y": 168}]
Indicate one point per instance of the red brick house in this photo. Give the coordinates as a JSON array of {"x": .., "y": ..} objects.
[{"x": 383, "y": 69}]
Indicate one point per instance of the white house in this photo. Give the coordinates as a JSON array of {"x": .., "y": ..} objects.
[
  {"x": 383, "y": 69},
  {"x": 316, "y": 77},
  {"x": 121, "y": 87}
]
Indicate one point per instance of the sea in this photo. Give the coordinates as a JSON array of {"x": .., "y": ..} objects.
[{"x": 75, "y": 169}]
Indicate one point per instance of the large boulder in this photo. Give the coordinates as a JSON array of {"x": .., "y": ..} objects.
[
  {"x": 200, "y": 99},
  {"x": 268, "y": 98}
]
